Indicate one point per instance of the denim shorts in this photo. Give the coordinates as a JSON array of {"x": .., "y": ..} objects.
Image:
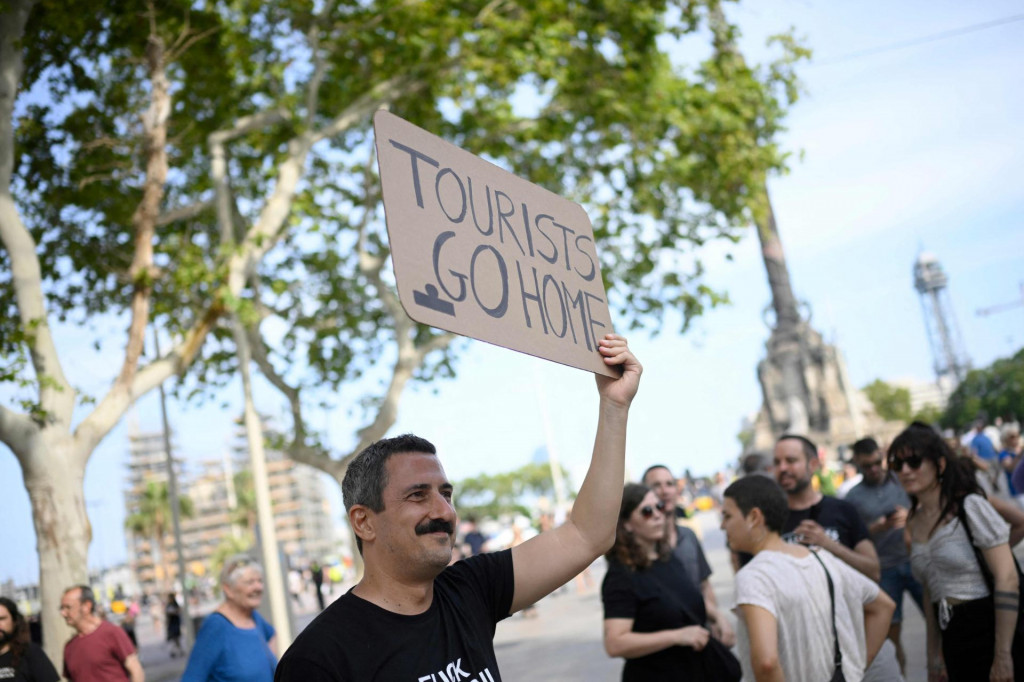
[{"x": 895, "y": 581}]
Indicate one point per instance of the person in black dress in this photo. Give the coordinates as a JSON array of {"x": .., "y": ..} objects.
[
  {"x": 173, "y": 614},
  {"x": 654, "y": 616}
]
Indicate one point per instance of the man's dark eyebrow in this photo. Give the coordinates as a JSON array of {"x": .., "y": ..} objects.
[{"x": 415, "y": 487}]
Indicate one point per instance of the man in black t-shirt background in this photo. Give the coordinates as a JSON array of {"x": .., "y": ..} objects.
[
  {"x": 21, "y": 660},
  {"x": 815, "y": 519},
  {"x": 830, "y": 523},
  {"x": 414, "y": 617}
]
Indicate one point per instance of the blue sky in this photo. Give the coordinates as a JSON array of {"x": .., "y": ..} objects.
[{"x": 905, "y": 149}]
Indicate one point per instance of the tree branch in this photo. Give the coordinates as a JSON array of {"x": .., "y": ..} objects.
[
  {"x": 17, "y": 432},
  {"x": 248, "y": 124},
  {"x": 107, "y": 413},
  {"x": 409, "y": 358},
  {"x": 56, "y": 397},
  {"x": 183, "y": 212},
  {"x": 181, "y": 48},
  {"x": 380, "y": 95},
  {"x": 144, "y": 219},
  {"x": 297, "y": 449},
  {"x": 319, "y": 64}
]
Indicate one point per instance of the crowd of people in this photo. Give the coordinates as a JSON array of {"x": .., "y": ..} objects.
[{"x": 819, "y": 580}]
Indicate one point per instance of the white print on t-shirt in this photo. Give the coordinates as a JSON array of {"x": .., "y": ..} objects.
[
  {"x": 797, "y": 539},
  {"x": 6, "y": 673},
  {"x": 453, "y": 672}
]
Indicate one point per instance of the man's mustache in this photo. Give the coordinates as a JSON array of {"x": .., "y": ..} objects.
[{"x": 435, "y": 526}]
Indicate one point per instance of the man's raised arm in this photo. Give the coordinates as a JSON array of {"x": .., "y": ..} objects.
[{"x": 551, "y": 559}]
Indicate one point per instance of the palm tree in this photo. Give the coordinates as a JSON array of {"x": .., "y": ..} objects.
[
  {"x": 244, "y": 513},
  {"x": 152, "y": 519}
]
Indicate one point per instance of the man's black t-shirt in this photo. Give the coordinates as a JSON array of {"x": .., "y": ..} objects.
[
  {"x": 659, "y": 597},
  {"x": 354, "y": 640},
  {"x": 839, "y": 518},
  {"x": 33, "y": 667}
]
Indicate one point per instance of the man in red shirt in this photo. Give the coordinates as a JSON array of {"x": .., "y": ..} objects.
[{"x": 99, "y": 651}]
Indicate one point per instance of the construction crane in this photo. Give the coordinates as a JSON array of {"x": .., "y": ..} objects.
[{"x": 983, "y": 312}]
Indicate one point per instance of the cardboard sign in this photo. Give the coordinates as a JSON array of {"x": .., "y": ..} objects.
[{"x": 483, "y": 253}]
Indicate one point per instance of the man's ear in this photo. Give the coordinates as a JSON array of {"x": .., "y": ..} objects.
[
  {"x": 362, "y": 520},
  {"x": 815, "y": 464},
  {"x": 755, "y": 517}
]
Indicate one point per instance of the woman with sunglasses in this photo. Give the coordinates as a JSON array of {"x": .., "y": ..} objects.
[
  {"x": 960, "y": 553},
  {"x": 235, "y": 643},
  {"x": 654, "y": 616}
]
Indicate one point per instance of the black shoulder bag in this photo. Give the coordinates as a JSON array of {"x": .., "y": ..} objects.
[
  {"x": 837, "y": 672},
  {"x": 717, "y": 662}
]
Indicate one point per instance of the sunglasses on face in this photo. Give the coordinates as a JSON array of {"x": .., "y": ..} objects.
[
  {"x": 913, "y": 461},
  {"x": 648, "y": 511}
]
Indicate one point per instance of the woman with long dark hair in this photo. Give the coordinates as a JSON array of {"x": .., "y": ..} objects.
[
  {"x": 654, "y": 616},
  {"x": 20, "y": 659},
  {"x": 960, "y": 552}
]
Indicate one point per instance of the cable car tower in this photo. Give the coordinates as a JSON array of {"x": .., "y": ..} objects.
[{"x": 951, "y": 363}]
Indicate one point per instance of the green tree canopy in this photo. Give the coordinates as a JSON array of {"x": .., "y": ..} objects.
[
  {"x": 891, "y": 402},
  {"x": 996, "y": 390},
  {"x": 511, "y": 492}
]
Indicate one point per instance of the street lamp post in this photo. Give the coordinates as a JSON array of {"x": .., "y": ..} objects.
[{"x": 172, "y": 489}]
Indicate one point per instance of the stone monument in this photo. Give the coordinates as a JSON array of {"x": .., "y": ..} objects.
[{"x": 803, "y": 379}]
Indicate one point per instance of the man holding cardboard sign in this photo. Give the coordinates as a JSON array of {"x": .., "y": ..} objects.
[{"x": 413, "y": 617}]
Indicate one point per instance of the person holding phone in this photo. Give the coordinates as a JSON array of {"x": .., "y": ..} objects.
[{"x": 883, "y": 506}]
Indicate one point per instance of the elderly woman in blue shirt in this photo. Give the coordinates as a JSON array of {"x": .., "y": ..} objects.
[{"x": 235, "y": 643}]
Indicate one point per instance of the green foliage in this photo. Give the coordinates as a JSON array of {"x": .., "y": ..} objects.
[
  {"x": 928, "y": 414},
  {"x": 152, "y": 518},
  {"x": 581, "y": 97},
  {"x": 244, "y": 513},
  {"x": 512, "y": 492},
  {"x": 997, "y": 390},
  {"x": 891, "y": 402},
  {"x": 228, "y": 547},
  {"x": 826, "y": 483}
]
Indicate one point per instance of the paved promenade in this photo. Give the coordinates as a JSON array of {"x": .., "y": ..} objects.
[{"x": 562, "y": 639}]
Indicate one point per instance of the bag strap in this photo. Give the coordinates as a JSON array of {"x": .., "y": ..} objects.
[
  {"x": 838, "y": 659},
  {"x": 986, "y": 572}
]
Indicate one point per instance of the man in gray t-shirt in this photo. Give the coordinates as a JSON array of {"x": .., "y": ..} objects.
[{"x": 882, "y": 504}]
